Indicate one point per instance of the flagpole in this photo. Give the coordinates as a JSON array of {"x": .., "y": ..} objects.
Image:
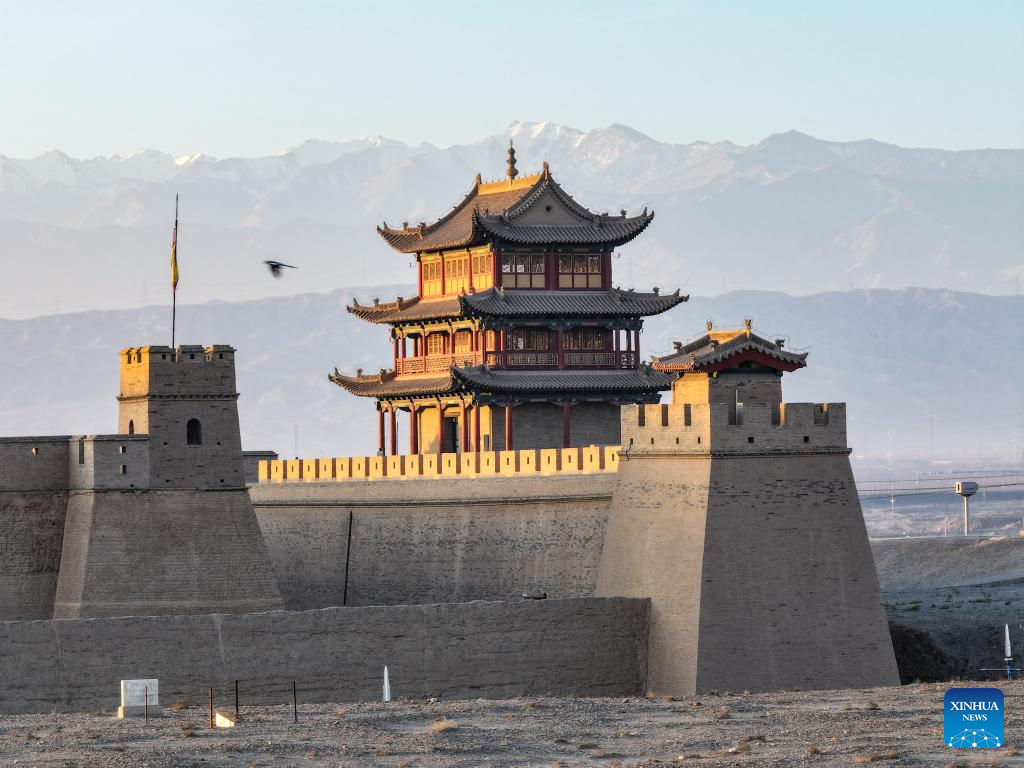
[{"x": 174, "y": 277}]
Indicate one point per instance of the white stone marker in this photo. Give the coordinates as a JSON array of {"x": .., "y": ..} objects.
[
  {"x": 387, "y": 686},
  {"x": 133, "y": 698}
]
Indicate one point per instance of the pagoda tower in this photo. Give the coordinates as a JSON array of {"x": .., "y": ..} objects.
[{"x": 517, "y": 337}]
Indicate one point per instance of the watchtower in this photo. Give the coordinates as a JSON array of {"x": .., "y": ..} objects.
[
  {"x": 186, "y": 540},
  {"x": 738, "y": 515},
  {"x": 185, "y": 400}
]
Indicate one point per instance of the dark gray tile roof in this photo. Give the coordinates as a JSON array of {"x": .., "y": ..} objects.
[
  {"x": 387, "y": 384},
  {"x": 644, "y": 380},
  {"x": 407, "y": 310},
  {"x": 718, "y": 347},
  {"x": 614, "y": 303},
  {"x": 490, "y": 211}
]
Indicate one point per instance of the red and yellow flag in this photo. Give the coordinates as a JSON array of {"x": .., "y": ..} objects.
[
  {"x": 174, "y": 259},
  {"x": 174, "y": 249}
]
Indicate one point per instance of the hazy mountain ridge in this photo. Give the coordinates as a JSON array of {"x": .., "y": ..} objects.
[
  {"x": 894, "y": 356},
  {"x": 790, "y": 213}
]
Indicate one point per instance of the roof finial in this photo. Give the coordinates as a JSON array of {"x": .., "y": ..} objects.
[
  {"x": 511, "y": 171},
  {"x": 747, "y": 323},
  {"x": 710, "y": 325}
]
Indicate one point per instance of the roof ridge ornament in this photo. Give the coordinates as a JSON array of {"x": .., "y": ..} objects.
[
  {"x": 510, "y": 169},
  {"x": 547, "y": 171}
]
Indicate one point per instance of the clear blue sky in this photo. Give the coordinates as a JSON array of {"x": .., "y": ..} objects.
[{"x": 254, "y": 77}]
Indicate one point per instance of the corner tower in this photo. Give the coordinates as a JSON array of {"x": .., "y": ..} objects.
[
  {"x": 162, "y": 523},
  {"x": 737, "y": 514},
  {"x": 185, "y": 400}
]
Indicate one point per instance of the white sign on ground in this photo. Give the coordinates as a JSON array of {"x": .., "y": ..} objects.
[{"x": 134, "y": 695}]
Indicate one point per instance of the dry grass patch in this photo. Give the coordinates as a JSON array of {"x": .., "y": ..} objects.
[
  {"x": 440, "y": 726},
  {"x": 179, "y": 704},
  {"x": 721, "y": 714},
  {"x": 876, "y": 757},
  {"x": 188, "y": 731},
  {"x": 813, "y": 749}
]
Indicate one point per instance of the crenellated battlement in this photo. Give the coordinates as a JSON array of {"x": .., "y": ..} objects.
[
  {"x": 744, "y": 428},
  {"x": 593, "y": 459}
]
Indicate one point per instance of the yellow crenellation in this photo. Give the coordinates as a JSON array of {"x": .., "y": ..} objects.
[{"x": 593, "y": 459}]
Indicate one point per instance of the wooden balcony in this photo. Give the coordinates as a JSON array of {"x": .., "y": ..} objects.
[{"x": 437, "y": 363}]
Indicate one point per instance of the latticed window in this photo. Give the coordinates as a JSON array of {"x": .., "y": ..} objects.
[
  {"x": 529, "y": 339},
  {"x": 462, "y": 341},
  {"x": 482, "y": 263},
  {"x": 584, "y": 338},
  {"x": 579, "y": 270},
  {"x": 436, "y": 343},
  {"x": 456, "y": 267},
  {"x": 432, "y": 277},
  {"x": 522, "y": 270}
]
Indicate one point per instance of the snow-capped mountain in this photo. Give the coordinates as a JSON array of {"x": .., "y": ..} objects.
[{"x": 790, "y": 213}]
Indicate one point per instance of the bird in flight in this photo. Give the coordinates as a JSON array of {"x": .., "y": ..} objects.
[{"x": 276, "y": 266}]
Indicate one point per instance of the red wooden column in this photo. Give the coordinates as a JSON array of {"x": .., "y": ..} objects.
[
  {"x": 565, "y": 425},
  {"x": 403, "y": 348},
  {"x": 396, "y": 353},
  {"x": 414, "y": 443},
  {"x": 380, "y": 430},
  {"x": 394, "y": 431},
  {"x": 508, "y": 426},
  {"x": 636, "y": 344},
  {"x": 464, "y": 425},
  {"x": 476, "y": 427},
  {"x": 561, "y": 348}
]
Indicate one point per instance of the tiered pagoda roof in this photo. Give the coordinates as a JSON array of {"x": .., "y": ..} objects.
[
  {"x": 720, "y": 349},
  {"x": 641, "y": 381},
  {"x": 494, "y": 210},
  {"x": 497, "y": 302}
]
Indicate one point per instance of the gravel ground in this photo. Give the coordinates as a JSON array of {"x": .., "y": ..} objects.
[{"x": 887, "y": 726}]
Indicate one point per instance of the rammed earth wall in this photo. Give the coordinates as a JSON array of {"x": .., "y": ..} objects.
[
  {"x": 385, "y": 542},
  {"x": 588, "y": 647}
]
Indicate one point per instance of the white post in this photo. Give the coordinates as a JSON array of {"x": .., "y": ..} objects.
[{"x": 387, "y": 686}]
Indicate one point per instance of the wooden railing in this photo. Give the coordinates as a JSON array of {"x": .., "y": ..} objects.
[
  {"x": 605, "y": 360},
  {"x": 518, "y": 359},
  {"x": 437, "y": 363}
]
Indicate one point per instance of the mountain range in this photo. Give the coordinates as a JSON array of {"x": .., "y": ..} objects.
[
  {"x": 926, "y": 373},
  {"x": 792, "y": 213}
]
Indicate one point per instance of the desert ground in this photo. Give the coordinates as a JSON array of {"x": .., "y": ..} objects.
[
  {"x": 884, "y": 726},
  {"x": 959, "y": 592}
]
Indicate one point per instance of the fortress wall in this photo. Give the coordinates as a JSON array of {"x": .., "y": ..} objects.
[
  {"x": 434, "y": 539},
  {"x": 787, "y": 558},
  {"x": 33, "y": 500},
  {"x": 152, "y": 552},
  {"x": 752, "y": 428},
  {"x": 31, "y": 533},
  {"x": 587, "y": 647},
  {"x": 758, "y": 569},
  {"x": 34, "y": 463},
  {"x": 108, "y": 461}
]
